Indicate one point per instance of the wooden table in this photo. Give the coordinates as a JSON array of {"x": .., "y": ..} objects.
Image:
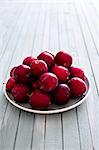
[{"x": 27, "y": 28}]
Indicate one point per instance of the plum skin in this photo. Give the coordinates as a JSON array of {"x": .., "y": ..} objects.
[{"x": 61, "y": 94}]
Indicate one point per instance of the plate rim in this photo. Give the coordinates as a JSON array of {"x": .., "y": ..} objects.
[{"x": 44, "y": 112}]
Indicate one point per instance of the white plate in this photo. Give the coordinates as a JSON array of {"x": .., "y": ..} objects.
[{"x": 53, "y": 109}]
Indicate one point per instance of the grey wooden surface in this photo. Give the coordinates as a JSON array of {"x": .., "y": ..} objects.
[{"x": 27, "y": 28}]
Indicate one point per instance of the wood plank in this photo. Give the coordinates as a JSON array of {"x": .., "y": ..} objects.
[
  {"x": 92, "y": 101},
  {"x": 26, "y": 119},
  {"x": 7, "y": 26},
  {"x": 37, "y": 140},
  {"x": 5, "y": 61},
  {"x": 11, "y": 119},
  {"x": 53, "y": 29},
  {"x": 45, "y": 42},
  {"x": 70, "y": 131},
  {"x": 53, "y": 134},
  {"x": 22, "y": 122},
  {"x": 37, "y": 47},
  {"x": 8, "y": 16},
  {"x": 63, "y": 40},
  {"x": 83, "y": 123},
  {"x": 70, "y": 126},
  {"x": 92, "y": 24},
  {"x": 90, "y": 47},
  {"x": 53, "y": 130}
]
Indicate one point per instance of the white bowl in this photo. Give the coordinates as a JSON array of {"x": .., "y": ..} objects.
[{"x": 53, "y": 109}]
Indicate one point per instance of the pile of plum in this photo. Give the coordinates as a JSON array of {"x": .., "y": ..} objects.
[{"x": 46, "y": 79}]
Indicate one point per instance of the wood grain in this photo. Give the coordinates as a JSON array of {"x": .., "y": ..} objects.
[{"x": 27, "y": 28}]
